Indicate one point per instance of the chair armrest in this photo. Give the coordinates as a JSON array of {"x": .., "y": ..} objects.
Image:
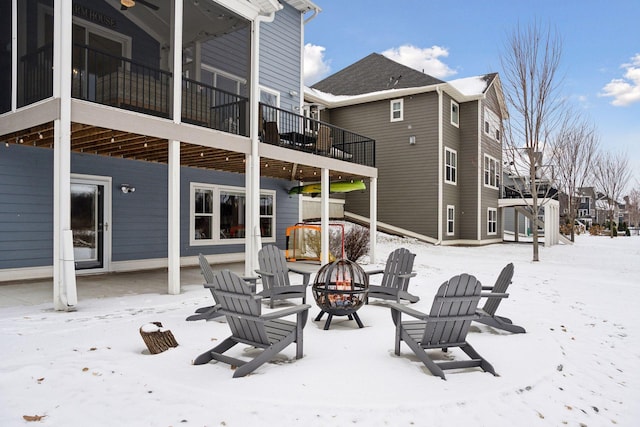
[
  {"x": 493, "y": 295},
  {"x": 408, "y": 275},
  {"x": 264, "y": 273},
  {"x": 369, "y": 273},
  {"x": 250, "y": 279},
  {"x": 306, "y": 276},
  {"x": 285, "y": 312},
  {"x": 407, "y": 310}
]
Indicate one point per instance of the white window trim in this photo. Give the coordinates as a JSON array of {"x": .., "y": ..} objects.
[
  {"x": 272, "y": 92},
  {"x": 456, "y": 124},
  {"x": 217, "y": 189},
  {"x": 454, "y": 167},
  {"x": 492, "y": 178},
  {"x": 489, "y": 221},
  {"x": 391, "y": 110},
  {"x": 453, "y": 221},
  {"x": 495, "y": 127}
]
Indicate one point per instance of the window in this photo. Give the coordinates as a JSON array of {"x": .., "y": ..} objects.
[
  {"x": 397, "y": 110},
  {"x": 272, "y": 99},
  {"x": 455, "y": 113},
  {"x": 492, "y": 221},
  {"x": 450, "y": 166},
  {"x": 492, "y": 124},
  {"x": 491, "y": 172},
  {"x": 219, "y": 214},
  {"x": 451, "y": 219},
  {"x": 583, "y": 212}
]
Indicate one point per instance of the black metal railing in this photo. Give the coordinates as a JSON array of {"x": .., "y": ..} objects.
[
  {"x": 209, "y": 106},
  {"x": 35, "y": 76},
  {"x": 120, "y": 82},
  {"x": 116, "y": 81},
  {"x": 286, "y": 129}
]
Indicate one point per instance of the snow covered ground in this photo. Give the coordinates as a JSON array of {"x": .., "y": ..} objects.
[{"x": 578, "y": 364}]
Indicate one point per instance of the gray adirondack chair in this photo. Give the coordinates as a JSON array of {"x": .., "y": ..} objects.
[
  {"x": 211, "y": 311},
  {"x": 395, "y": 278},
  {"x": 445, "y": 326},
  {"x": 242, "y": 309},
  {"x": 274, "y": 272},
  {"x": 497, "y": 293}
]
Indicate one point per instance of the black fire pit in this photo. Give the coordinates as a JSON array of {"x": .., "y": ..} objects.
[{"x": 340, "y": 289}]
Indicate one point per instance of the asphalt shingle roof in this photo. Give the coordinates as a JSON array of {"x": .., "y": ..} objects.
[{"x": 374, "y": 73}]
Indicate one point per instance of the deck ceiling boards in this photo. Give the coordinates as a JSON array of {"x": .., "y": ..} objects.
[{"x": 106, "y": 142}]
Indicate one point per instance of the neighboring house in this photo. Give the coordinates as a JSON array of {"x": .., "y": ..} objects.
[
  {"x": 135, "y": 137},
  {"x": 438, "y": 146},
  {"x": 586, "y": 203}
]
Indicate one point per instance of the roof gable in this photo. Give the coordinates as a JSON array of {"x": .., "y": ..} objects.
[{"x": 374, "y": 73}]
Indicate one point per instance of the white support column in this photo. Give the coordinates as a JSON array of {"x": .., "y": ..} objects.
[
  {"x": 252, "y": 163},
  {"x": 14, "y": 55},
  {"x": 324, "y": 217},
  {"x": 64, "y": 284},
  {"x": 373, "y": 218},
  {"x": 253, "y": 238},
  {"x": 173, "y": 169}
]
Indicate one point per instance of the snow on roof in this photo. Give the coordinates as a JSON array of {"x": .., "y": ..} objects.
[{"x": 470, "y": 86}]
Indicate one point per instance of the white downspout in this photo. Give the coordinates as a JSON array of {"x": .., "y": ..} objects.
[
  {"x": 173, "y": 169},
  {"x": 440, "y": 166},
  {"x": 64, "y": 276},
  {"x": 252, "y": 167}
]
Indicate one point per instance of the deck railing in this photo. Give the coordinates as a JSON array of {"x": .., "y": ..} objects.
[
  {"x": 281, "y": 127},
  {"x": 120, "y": 82}
]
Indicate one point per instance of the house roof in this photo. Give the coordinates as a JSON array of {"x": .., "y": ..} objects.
[
  {"x": 374, "y": 73},
  {"x": 377, "y": 77}
]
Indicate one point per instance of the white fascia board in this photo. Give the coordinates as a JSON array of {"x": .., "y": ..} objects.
[
  {"x": 254, "y": 7},
  {"x": 333, "y": 101},
  {"x": 304, "y": 5}
]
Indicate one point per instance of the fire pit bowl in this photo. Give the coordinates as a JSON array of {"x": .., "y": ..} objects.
[{"x": 340, "y": 289}]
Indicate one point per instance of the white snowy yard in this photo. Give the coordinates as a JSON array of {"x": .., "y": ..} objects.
[{"x": 578, "y": 364}]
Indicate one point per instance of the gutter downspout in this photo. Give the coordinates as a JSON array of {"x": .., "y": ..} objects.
[
  {"x": 440, "y": 171},
  {"x": 252, "y": 169}
]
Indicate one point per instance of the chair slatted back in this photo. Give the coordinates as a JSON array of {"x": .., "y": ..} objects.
[
  {"x": 452, "y": 311},
  {"x": 272, "y": 260},
  {"x": 241, "y": 307},
  {"x": 502, "y": 283},
  {"x": 400, "y": 261},
  {"x": 324, "y": 142},
  {"x": 205, "y": 269},
  {"x": 271, "y": 133}
]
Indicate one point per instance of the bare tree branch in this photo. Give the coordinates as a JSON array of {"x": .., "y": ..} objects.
[
  {"x": 612, "y": 174},
  {"x": 530, "y": 65},
  {"x": 574, "y": 149}
]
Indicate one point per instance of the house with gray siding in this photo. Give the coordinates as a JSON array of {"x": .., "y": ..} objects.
[
  {"x": 133, "y": 135},
  {"x": 438, "y": 146}
]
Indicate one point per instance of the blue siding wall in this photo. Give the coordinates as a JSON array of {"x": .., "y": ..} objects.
[
  {"x": 280, "y": 51},
  {"x": 26, "y": 208},
  {"x": 139, "y": 220}
]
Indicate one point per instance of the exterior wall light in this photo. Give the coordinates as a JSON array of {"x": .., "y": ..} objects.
[{"x": 126, "y": 188}]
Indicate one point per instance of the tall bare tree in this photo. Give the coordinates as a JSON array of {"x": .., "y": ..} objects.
[
  {"x": 574, "y": 150},
  {"x": 530, "y": 66},
  {"x": 633, "y": 206},
  {"x": 612, "y": 174}
]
